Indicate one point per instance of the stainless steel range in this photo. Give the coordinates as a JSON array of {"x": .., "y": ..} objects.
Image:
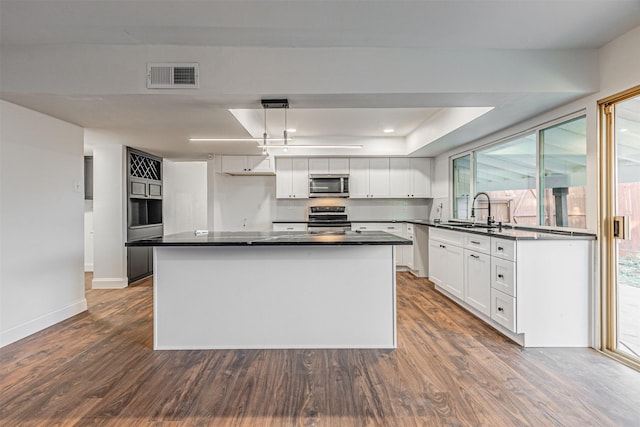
[{"x": 323, "y": 219}]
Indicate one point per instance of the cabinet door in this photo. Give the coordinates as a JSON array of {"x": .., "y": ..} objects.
[
  {"x": 407, "y": 252},
  {"x": 358, "y": 178},
  {"x": 259, "y": 164},
  {"x": 138, "y": 265},
  {"x": 339, "y": 166},
  {"x": 234, "y": 164},
  {"x": 137, "y": 188},
  {"x": 300, "y": 178},
  {"x": 284, "y": 170},
  {"x": 454, "y": 270},
  {"x": 318, "y": 165},
  {"x": 399, "y": 177},
  {"x": 379, "y": 177},
  {"x": 436, "y": 262},
  {"x": 477, "y": 278},
  {"x": 420, "y": 177}
]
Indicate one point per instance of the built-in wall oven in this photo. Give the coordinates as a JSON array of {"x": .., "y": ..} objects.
[
  {"x": 329, "y": 185},
  {"x": 332, "y": 219}
]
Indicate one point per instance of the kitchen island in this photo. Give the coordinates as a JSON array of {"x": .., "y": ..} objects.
[{"x": 230, "y": 290}]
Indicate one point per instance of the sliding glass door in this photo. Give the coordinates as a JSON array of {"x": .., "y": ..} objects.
[{"x": 621, "y": 225}]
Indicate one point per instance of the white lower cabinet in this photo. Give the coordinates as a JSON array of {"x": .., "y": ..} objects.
[
  {"x": 290, "y": 226},
  {"x": 446, "y": 259},
  {"x": 535, "y": 291},
  {"x": 503, "y": 308},
  {"x": 409, "y": 251},
  {"x": 394, "y": 228},
  {"x": 477, "y": 280}
]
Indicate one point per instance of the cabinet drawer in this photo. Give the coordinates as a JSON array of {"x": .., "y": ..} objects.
[
  {"x": 503, "y": 248},
  {"x": 446, "y": 236},
  {"x": 503, "y": 309},
  {"x": 389, "y": 227},
  {"x": 503, "y": 276},
  {"x": 477, "y": 242},
  {"x": 290, "y": 227}
]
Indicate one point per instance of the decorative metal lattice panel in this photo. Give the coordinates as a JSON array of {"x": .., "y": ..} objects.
[{"x": 144, "y": 167}]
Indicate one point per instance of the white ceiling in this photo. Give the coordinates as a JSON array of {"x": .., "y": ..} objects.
[{"x": 162, "y": 123}]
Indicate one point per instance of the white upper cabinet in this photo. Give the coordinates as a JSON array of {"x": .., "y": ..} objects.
[
  {"x": 410, "y": 177},
  {"x": 324, "y": 165},
  {"x": 247, "y": 165},
  {"x": 369, "y": 177},
  {"x": 292, "y": 178},
  {"x": 420, "y": 177}
]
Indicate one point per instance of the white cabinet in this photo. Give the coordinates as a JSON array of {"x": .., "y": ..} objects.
[
  {"x": 247, "y": 165},
  {"x": 394, "y": 228},
  {"x": 446, "y": 261},
  {"x": 503, "y": 309},
  {"x": 477, "y": 274},
  {"x": 409, "y": 251},
  {"x": 290, "y": 226},
  {"x": 292, "y": 178},
  {"x": 328, "y": 165},
  {"x": 410, "y": 177},
  {"x": 535, "y": 291},
  {"x": 368, "y": 178}
]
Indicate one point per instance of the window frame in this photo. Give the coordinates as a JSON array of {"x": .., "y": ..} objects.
[{"x": 535, "y": 130}]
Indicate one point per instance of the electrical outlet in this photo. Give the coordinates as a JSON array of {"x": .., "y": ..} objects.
[{"x": 77, "y": 187}]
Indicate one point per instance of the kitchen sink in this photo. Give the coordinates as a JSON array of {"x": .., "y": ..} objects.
[{"x": 468, "y": 225}]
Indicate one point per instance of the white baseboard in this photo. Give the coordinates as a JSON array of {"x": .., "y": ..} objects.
[
  {"x": 110, "y": 283},
  {"x": 42, "y": 322},
  {"x": 88, "y": 267}
]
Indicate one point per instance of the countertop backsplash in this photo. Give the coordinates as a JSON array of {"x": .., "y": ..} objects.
[{"x": 358, "y": 209}]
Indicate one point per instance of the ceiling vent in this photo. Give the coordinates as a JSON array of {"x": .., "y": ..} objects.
[{"x": 172, "y": 75}]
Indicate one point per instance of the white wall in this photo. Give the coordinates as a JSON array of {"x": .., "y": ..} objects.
[
  {"x": 184, "y": 204},
  {"x": 239, "y": 203},
  {"x": 41, "y": 222},
  {"x": 109, "y": 215},
  {"x": 619, "y": 70}
]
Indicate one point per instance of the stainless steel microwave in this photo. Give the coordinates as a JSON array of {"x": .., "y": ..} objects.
[{"x": 329, "y": 185}]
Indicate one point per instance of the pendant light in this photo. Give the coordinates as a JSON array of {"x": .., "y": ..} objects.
[
  {"x": 264, "y": 135},
  {"x": 286, "y": 135}
]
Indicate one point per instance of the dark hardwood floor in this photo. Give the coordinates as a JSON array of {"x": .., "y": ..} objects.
[{"x": 98, "y": 368}]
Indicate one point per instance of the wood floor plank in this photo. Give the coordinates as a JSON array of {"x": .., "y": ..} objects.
[{"x": 98, "y": 368}]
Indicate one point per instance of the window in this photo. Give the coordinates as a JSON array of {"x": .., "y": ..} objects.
[
  {"x": 461, "y": 186},
  {"x": 507, "y": 173},
  {"x": 550, "y": 161},
  {"x": 563, "y": 167}
]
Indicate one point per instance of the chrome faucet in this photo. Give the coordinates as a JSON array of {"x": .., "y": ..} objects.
[{"x": 490, "y": 219}]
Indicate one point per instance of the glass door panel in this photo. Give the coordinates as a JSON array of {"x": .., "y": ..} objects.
[{"x": 627, "y": 204}]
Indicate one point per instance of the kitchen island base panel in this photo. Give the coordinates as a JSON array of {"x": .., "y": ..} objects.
[{"x": 274, "y": 297}]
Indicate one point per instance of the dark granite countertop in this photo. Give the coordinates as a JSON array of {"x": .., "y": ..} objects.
[
  {"x": 507, "y": 231},
  {"x": 274, "y": 238},
  {"x": 516, "y": 233}
]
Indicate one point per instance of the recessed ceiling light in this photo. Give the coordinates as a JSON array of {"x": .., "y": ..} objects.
[
  {"x": 389, "y": 130},
  {"x": 624, "y": 130},
  {"x": 291, "y": 130}
]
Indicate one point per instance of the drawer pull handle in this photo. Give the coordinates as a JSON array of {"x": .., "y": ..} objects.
[
  {"x": 500, "y": 309},
  {"x": 475, "y": 242},
  {"x": 475, "y": 256},
  {"x": 442, "y": 246},
  {"x": 500, "y": 248},
  {"x": 500, "y": 276}
]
